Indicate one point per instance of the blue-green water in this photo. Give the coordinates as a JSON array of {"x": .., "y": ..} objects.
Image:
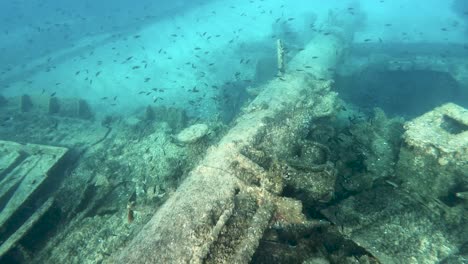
[{"x": 123, "y": 49}]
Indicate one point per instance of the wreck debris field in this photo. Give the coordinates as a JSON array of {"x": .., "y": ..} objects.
[{"x": 222, "y": 131}]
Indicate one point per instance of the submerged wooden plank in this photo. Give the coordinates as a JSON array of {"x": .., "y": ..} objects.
[
  {"x": 8, "y": 160},
  {"x": 13, "y": 178},
  {"x": 13, "y": 239},
  {"x": 22, "y": 181}
]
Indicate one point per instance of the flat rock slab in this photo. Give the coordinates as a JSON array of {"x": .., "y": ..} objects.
[
  {"x": 23, "y": 172},
  {"x": 396, "y": 227},
  {"x": 445, "y": 128}
]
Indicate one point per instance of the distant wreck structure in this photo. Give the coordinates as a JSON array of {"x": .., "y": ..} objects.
[{"x": 67, "y": 107}]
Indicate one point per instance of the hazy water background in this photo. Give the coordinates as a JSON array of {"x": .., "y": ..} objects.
[{"x": 122, "y": 55}]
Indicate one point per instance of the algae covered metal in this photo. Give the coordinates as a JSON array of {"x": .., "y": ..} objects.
[{"x": 436, "y": 152}]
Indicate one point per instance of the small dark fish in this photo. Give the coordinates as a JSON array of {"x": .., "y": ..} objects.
[
  {"x": 97, "y": 73},
  {"x": 291, "y": 19},
  {"x": 115, "y": 97},
  {"x": 104, "y": 98},
  {"x": 53, "y": 94},
  {"x": 367, "y": 40},
  {"x": 137, "y": 36},
  {"x": 135, "y": 67},
  {"x": 147, "y": 79},
  {"x": 78, "y": 72}
]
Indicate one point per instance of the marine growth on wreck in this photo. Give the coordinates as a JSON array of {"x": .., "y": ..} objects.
[{"x": 221, "y": 131}]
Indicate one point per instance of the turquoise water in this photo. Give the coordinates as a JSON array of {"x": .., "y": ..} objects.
[{"x": 123, "y": 50}]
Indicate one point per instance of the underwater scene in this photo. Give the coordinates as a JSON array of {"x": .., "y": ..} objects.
[{"x": 234, "y": 131}]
